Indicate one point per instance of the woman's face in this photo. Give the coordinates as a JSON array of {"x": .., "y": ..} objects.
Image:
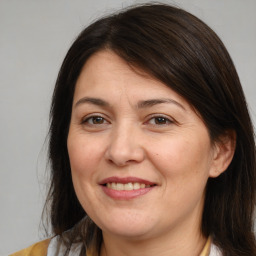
[{"x": 140, "y": 156}]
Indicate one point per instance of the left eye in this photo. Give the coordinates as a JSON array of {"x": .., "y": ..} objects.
[{"x": 159, "y": 120}]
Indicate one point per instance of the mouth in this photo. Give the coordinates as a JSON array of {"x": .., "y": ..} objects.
[{"x": 126, "y": 188}]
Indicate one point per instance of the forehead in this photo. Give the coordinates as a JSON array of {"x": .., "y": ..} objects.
[
  {"x": 107, "y": 65},
  {"x": 106, "y": 74}
]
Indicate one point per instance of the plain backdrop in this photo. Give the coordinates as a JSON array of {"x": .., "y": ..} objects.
[{"x": 34, "y": 38}]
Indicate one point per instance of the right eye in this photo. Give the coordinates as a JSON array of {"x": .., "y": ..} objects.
[{"x": 95, "y": 120}]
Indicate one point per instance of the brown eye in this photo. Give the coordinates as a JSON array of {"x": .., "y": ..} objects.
[
  {"x": 97, "y": 120},
  {"x": 94, "y": 120},
  {"x": 160, "y": 120}
]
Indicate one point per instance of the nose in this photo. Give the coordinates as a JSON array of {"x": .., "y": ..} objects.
[{"x": 125, "y": 146}]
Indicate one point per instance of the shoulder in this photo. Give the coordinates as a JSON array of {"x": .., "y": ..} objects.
[
  {"x": 50, "y": 247},
  {"x": 37, "y": 249}
]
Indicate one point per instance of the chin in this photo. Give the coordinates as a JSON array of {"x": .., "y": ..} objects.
[
  {"x": 131, "y": 234},
  {"x": 128, "y": 229}
]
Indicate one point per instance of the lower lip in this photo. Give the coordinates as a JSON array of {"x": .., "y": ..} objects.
[{"x": 125, "y": 194}]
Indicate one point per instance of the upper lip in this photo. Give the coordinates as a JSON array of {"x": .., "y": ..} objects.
[{"x": 125, "y": 180}]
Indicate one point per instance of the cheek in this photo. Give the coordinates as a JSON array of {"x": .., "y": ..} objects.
[
  {"x": 182, "y": 160},
  {"x": 83, "y": 165},
  {"x": 86, "y": 155},
  {"x": 184, "y": 167},
  {"x": 83, "y": 155}
]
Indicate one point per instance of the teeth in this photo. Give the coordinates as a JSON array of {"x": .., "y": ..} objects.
[
  {"x": 119, "y": 186},
  {"x": 127, "y": 186},
  {"x": 136, "y": 185},
  {"x": 142, "y": 185}
]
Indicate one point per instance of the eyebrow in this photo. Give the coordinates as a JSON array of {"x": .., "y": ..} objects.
[
  {"x": 141, "y": 104},
  {"x": 94, "y": 101},
  {"x": 153, "y": 102}
]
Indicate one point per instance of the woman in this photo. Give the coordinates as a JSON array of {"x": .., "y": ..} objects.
[{"x": 151, "y": 144}]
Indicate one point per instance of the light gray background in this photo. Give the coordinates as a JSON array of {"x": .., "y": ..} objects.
[{"x": 34, "y": 37}]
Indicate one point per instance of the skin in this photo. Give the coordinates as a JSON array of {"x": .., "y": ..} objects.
[{"x": 129, "y": 139}]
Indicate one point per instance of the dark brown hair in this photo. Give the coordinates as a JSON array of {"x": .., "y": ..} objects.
[{"x": 180, "y": 50}]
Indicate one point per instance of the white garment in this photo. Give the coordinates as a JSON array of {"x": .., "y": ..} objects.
[
  {"x": 75, "y": 249},
  {"x": 215, "y": 251},
  {"x": 56, "y": 249}
]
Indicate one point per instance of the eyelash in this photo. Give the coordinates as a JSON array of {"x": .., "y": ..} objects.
[
  {"x": 87, "y": 120},
  {"x": 167, "y": 120}
]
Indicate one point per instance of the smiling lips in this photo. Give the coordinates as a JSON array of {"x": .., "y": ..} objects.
[{"x": 126, "y": 188}]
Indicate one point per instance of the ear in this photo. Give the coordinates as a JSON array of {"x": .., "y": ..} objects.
[{"x": 224, "y": 149}]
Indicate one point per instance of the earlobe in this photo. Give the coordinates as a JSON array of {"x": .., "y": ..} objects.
[{"x": 224, "y": 149}]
